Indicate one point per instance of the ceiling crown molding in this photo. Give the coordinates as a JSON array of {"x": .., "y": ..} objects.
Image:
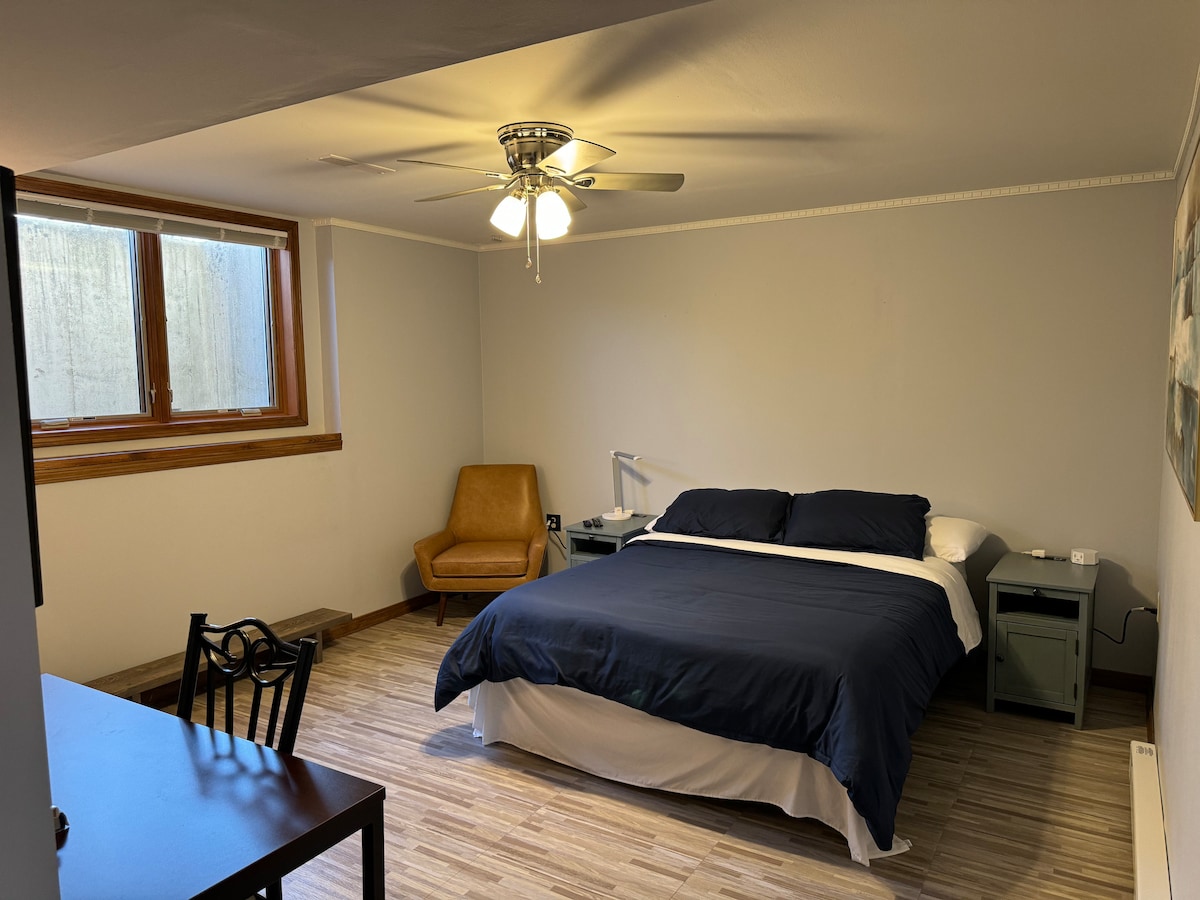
[{"x": 1073, "y": 184}]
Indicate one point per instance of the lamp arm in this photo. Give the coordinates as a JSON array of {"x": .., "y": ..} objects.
[{"x": 618, "y": 497}]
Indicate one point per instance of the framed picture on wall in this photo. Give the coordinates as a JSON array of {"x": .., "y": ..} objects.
[{"x": 1183, "y": 376}]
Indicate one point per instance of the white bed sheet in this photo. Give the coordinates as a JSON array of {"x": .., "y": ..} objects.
[
  {"x": 627, "y": 745},
  {"x": 931, "y": 568}
]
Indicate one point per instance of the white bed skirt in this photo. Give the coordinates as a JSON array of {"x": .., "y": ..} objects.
[{"x": 627, "y": 745}]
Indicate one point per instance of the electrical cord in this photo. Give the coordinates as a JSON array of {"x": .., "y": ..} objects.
[
  {"x": 1041, "y": 554},
  {"x": 1125, "y": 623},
  {"x": 559, "y": 541}
]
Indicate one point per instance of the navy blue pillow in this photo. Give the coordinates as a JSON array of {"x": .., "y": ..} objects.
[
  {"x": 745, "y": 515},
  {"x": 858, "y": 520}
]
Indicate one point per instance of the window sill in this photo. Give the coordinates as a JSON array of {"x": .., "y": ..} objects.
[
  {"x": 183, "y": 426},
  {"x": 50, "y": 470}
]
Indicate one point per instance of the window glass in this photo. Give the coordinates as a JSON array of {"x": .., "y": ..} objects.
[
  {"x": 82, "y": 326},
  {"x": 155, "y": 318},
  {"x": 218, "y": 324}
]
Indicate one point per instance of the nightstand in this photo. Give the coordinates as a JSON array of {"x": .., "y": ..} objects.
[
  {"x": 1040, "y": 633},
  {"x": 587, "y": 544}
]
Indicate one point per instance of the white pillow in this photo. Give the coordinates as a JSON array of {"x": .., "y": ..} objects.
[{"x": 954, "y": 539}]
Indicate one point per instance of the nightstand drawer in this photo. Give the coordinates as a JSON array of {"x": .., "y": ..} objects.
[
  {"x": 1019, "y": 599},
  {"x": 1026, "y": 590}
]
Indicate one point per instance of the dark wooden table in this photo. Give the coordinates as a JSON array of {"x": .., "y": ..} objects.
[{"x": 161, "y": 808}]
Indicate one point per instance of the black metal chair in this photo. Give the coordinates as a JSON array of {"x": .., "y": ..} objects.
[{"x": 247, "y": 651}]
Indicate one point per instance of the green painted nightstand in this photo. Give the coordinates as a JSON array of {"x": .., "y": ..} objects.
[
  {"x": 587, "y": 544},
  {"x": 1040, "y": 632}
]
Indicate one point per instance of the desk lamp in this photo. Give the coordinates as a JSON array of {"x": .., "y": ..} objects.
[{"x": 619, "y": 513}]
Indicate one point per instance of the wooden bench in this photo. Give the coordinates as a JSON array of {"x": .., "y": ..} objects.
[{"x": 135, "y": 683}]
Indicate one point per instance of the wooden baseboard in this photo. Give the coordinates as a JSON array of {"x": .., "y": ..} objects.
[{"x": 366, "y": 620}]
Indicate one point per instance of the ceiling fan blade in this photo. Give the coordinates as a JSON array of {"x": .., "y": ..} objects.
[
  {"x": 425, "y": 162},
  {"x": 574, "y": 204},
  {"x": 490, "y": 187},
  {"x": 574, "y": 156},
  {"x": 629, "y": 181},
  {"x": 624, "y": 59},
  {"x": 801, "y": 135},
  {"x": 348, "y": 162}
]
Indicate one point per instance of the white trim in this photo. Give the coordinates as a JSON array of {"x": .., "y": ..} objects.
[
  {"x": 392, "y": 232},
  {"x": 984, "y": 194},
  {"x": 1074, "y": 184}
]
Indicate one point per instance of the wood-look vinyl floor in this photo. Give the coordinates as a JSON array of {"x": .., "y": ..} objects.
[{"x": 1002, "y": 805}]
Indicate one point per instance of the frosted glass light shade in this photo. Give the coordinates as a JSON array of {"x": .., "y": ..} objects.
[
  {"x": 509, "y": 216},
  {"x": 553, "y": 217}
]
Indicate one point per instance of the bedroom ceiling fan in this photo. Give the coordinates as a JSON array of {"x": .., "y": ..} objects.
[{"x": 547, "y": 164}]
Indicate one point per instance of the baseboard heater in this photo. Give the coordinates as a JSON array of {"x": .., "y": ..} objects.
[{"x": 1150, "y": 876}]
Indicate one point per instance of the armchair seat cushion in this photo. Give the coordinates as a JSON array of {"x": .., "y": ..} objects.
[{"x": 483, "y": 559}]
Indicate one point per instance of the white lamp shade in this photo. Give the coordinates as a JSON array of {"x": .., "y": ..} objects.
[
  {"x": 553, "y": 217},
  {"x": 509, "y": 216}
]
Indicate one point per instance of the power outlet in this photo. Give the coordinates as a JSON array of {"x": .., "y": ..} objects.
[{"x": 553, "y": 522}]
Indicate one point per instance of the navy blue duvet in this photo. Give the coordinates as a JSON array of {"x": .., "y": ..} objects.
[{"x": 832, "y": 660}]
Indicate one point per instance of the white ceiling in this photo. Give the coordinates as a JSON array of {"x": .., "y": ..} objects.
[
  {"x": 82, "y": 78},
  {"x": 765, "y": 105}
]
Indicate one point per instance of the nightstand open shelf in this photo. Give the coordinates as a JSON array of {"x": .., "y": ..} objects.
[
  {"x": 587, "y": 544},
  {"x": 1039, "y": 633}
]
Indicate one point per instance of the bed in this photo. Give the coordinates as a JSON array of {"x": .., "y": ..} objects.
[{"x": 754, "y": 645}]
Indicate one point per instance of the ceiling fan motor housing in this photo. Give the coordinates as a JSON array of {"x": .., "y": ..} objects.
[{"x": 527, "y": 143}]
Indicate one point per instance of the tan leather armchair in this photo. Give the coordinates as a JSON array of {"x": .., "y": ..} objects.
[{"x": 495, "y": 539}]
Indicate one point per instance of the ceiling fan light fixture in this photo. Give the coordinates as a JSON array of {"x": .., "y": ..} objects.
[
  {"x": 546, "y": 164},
  {"x": 553, "y": 217},
  {"x": 509, "y": 216}
]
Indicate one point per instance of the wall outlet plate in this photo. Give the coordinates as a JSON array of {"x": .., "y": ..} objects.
[{"x": 553, "y": 522}]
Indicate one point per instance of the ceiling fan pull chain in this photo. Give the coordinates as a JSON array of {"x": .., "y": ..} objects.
[
  {"x": 531, "y": 229},
  {"x": 528, "y": 232}
]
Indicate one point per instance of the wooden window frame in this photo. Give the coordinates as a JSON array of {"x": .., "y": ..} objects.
[{"x": 291, "y": 403}]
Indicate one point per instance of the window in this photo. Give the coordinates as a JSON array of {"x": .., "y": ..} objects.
[{"x": 150, "y": 318}]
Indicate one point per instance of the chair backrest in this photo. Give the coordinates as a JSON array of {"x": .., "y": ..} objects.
[
  {"x": 496, "y": 503},
  {"x": 247, "y": 654}
]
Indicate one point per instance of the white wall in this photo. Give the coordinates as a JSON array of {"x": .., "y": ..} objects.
[
  {"x": 126, "y": 559},
  {"x": 1003, "y": 357},
  {"x": 1177, "y": 701}
]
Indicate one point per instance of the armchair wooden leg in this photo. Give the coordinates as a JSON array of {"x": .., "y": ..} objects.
[{"x": 442, "y": 598}]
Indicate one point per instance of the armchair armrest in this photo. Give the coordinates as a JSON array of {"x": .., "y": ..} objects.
[
  {"x": 537, "y": 551},
  {"x": 427, "y": 548}
]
